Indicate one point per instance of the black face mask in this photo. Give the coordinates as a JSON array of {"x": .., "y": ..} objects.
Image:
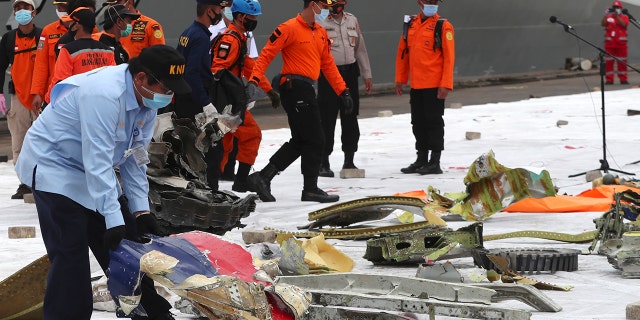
[
  {"x": 216, "y": 19},
  {"x": 337, "y": 9},
  {"x": 249, "y": 25}
]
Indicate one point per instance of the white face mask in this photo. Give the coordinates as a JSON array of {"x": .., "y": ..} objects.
[
  {"x": 228, "y": 14},
  {"x": 61, "y": 14}
]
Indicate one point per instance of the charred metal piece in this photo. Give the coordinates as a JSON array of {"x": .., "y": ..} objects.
[
  {"x": 357, "y": 233},
  {"x": 367, "y": 209},
  {"x": 412, "y": 247},
  {"x": 195, "y": 208},
  {"x": 531, "y": 259}
]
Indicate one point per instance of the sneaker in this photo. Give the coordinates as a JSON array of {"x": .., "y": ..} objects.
[
  {"x": 318, "y": 195},
  {"x": 22, "y": 190},
  {"x": 261, "y": 187},
  {"x": 326, "y": 172},
  {"x": 624, "y": 82}
]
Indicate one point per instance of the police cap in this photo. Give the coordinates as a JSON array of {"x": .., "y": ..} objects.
[{"x": 222, "y": 3}]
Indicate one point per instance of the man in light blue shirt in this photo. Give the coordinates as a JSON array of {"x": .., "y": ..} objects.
[{"x": 96, "y": 122}]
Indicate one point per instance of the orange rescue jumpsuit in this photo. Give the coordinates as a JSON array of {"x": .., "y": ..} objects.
[
  {"x": 46, "y": 57},
  {"x": 249, "y": 135}
]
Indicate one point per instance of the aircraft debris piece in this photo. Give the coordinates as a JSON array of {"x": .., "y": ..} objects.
[
  {"x": 522, "y": 292},
  {"x": 611, "y": 226},
  {"x": 366, "y": 209},
  {"x": 510, "y": 276},
  {"x": 531, "y": 259},
  {"x": 356, "y": 233},
  {"x": 335, "y": 313},
  {"x": 22, "y": 293},
  {"x": 625, "y": 254},
  {"x": 413, "y": 246},
  {"x": 402, "y": 294},
  {"x": 446, "y": 272},
  {"x": 182, "y": 209}
]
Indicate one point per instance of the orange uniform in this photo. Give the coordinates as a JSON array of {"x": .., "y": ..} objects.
[
  {"x": 226, "y": 52},
  {"x": 418, "y": 62},
  {"x": 46, "y": 57},
  {"x": 146, "y": 32},
  {"x": 80, "y": 56},
  {"x": 305, "y": 52},
  {"x": 22, "y": 63}
]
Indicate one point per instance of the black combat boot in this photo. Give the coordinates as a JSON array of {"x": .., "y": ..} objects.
[
  {"x": 423, "y": 159},
  {"x": 311, "y": 192},
  {"x": 240, "y": 183},
  {"x": 22, "y": 190},
  {"x": 348, "y": 161},
  {"x": 325, "y": 169},
  {"x": 433, "y": 166},
  {"x": 260, "y": 182}
]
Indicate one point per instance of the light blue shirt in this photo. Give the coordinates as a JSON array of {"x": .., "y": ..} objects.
[{"x": 83, "y": 134}]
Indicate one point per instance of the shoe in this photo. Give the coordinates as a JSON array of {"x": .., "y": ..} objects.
[
  {"x": 22, "y": 190},
  {"x": 349, "y": 165},
  {"x": 413, "y": 167},
  {"x": 433, "y": 168},
  {"x": 624, "y": 82},
  {"x": 326, "y": 172},
  {"x": 609, "y": 82},
  {"x": 228, "y": 176},
  {"x": 259, "y": 185},
  {"x": 318, "y": 195},
  {"x": 241, "y": 186}
]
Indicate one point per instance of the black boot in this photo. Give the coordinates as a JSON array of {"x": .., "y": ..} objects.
[
  {"x": 325, "y": 169},
  {"x": 311, "y": 192},
  {"x": 240, "y": 183},
  {"x": 22, "y": 190},
  {"x": 433, "y": 166},
  {"x": 260, "y": 182},
  {"x": 348, "y": 161},
  {"x": 423, "y": 159}
]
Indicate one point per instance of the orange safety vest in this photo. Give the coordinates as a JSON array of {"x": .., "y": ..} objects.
[
  {"x": 46, "y": 57},
  {"x": 305, "y": 51},
  {"x": 419, "y": 63},
  {"x": 22, "y": 67},
  {"x": 146, "y": 32},
  {"x": 80, "y": 56}
]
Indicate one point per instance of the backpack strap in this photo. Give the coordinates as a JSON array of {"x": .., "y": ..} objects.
[
  {"x": 437, "y": 34},
  {"x": 243, "y": 48},
  {"x": 12, "y": 40}
]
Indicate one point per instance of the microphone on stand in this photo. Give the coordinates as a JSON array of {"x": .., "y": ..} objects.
[
  {"x": 625, "y": 11},
  {"x": 553, "y": 19}
]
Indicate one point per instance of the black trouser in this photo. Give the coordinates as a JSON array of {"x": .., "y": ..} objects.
[
  {"x": 330, "y": 104},
  {"x": 68, "y": 229},
  {"x": 307, "y": 139},
  {"x": 426, "y": 119}
]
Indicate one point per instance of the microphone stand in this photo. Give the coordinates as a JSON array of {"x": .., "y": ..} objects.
[{"x": 604, "y": 164}]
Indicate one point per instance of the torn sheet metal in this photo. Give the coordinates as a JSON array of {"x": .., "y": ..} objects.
[
  {"x": 22, "y": 293},
  {"x": 412, "y": 247},
  {"x": 492, "y": 186},
  {"x": 367, "y": 209},
  {"x": 624, "y": 254},
  {"x": 402, "y": 294}
]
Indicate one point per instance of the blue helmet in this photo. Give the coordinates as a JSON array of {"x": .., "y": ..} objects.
[{"x": 251, "y": 7}]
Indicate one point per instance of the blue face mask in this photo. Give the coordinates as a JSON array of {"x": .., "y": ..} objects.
[
  {"x": 228, "y": 14},
  {"x": 159, "y": 100},
  {"x": 322, "y": 16},
  {"x": 23, "y": 17},
  {"x": 126, "y": 32},
  {"x": 430, "y": 10}
]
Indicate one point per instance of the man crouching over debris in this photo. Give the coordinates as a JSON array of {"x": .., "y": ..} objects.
[{"x": 96, "y": 122}]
